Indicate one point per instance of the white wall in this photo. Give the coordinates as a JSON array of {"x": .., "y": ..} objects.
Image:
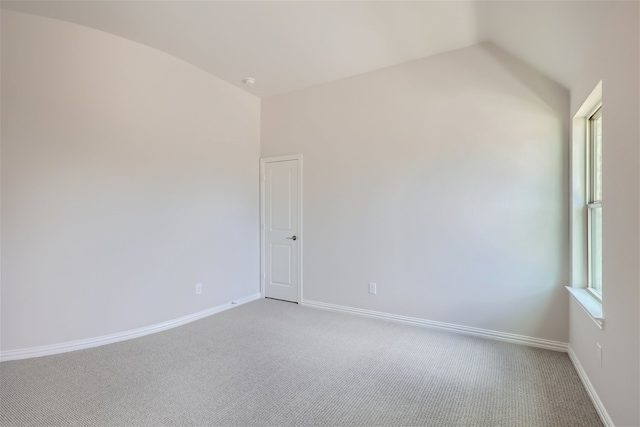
[
  {"x": 445, "y": 181},
  {"x": 128, "y": 176},
  {"x": 615, "y": 60}
]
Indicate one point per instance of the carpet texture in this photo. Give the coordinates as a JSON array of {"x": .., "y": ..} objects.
[{"x": 275, "y": 363}]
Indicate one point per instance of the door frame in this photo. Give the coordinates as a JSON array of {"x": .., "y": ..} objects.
[{"x": 263, "y": 162}]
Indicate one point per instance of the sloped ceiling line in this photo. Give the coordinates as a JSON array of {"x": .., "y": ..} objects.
[{"x": 292, "y": 45}]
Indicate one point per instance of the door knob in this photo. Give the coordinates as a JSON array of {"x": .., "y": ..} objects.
[{"x": 292, "y": 238}]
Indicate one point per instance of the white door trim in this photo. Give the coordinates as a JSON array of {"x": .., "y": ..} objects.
[{"x": 263, "y": 162}]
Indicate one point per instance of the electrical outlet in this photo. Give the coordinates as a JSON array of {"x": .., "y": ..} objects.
[
  {"x": 599, "y": 354},
  {"x": 372, "y": 288},
  {"x": 198, "y": 288}
]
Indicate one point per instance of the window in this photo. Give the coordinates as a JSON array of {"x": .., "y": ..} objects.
[
  {"x": 594, "y": 203},
  {"x": 586, "y": 207}
]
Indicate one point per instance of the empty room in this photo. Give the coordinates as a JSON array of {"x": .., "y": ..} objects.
[{"x": 332, "y": 213}]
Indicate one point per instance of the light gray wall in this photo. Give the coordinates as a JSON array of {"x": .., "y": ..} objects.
[
  {"x": 615, "y": 60},
  {"x": 445, "y": 181},
  {"x": 128, "y": 176}
]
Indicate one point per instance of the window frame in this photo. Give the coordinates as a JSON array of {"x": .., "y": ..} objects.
[
  {"x": 590, "y": 303},
  {"x": 593, "y": 202}
]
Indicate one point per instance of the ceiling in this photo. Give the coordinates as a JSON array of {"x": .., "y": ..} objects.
[{"x": 288, "y": 45}]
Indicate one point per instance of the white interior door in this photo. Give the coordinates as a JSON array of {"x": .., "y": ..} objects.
[{"x": 281, "y": 243}]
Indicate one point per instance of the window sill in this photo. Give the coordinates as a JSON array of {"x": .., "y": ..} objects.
[{"x": 589, "y": 304}]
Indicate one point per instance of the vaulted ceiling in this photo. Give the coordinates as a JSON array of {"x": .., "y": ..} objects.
[{"x": 288, "y": 45}]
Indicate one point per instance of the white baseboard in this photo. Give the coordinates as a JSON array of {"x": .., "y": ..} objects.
[
  {"x": 485, "y": 333},
  {"x": 46, "y": 350},
  {"x": 604, "y": 415}
]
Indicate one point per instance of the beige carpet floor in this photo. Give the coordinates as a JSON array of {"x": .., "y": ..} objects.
[{"x": 275, "y": 363}]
